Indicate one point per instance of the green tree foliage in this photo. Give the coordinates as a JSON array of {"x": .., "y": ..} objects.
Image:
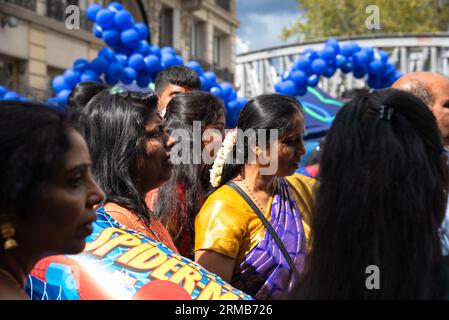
[{"x": 327, "y": 18}]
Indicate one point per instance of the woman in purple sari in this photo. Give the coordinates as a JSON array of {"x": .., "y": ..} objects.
[{"x": 253, "y": 230}]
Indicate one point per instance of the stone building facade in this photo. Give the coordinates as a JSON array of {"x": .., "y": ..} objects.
[{"x": 36, "y": 45}]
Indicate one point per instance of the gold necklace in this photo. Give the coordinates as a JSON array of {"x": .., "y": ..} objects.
[
  {"x": 253, "y": 196},
  {"x": 11, "y": 277}
]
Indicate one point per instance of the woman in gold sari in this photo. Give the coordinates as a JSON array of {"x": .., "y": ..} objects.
[{"x": 253, "y": 230}]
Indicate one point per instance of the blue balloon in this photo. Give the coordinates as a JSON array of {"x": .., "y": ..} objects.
[
  {"x": 369, "y": 52},
  {"x": 310, "y": 54},
  {"x": 152, "y": 63},
  {"x": 397, "y": 75},
  {"x": 327, "y": 54},
  {"x": 389, "y": 70},
  {"x": 313, "y": 80},
  {"x": 71, "y": 77},
  {"x": 233, "y": 95},
  {"x": 195, "y": 66},
  {"x": 329, "y": 72},
  {"x": 97, "y": 31},
  {"x": 62, "y": 96},
  {"x": 114, "y": 70},
  {"x": 122, "y": 59},
  {"x": 359, "y": 72},
  {"x": 334, "y": 44},
  {"x": 242, "y": 101},
  {"x": 216, "y": 91},
  {"x": 168, "y": 50},
  {"x": 58, "y": 83},
  {"x": 99, "y": 65},
  {"x": 346, "y": 68},
  {"x": 136, "y": 62},
  {"x": 233, "y": 109},
  {"x": 302, "y": 91},
  {"x": 3, "y": 91},
  {"x": 105, "y": 18},
  {"x": 115, "y": 6},
  {"x": 302, "y": 63},
  {"x": 346, "y": 49},
  {"x": 319, "y": 66},
  {"x": 81, "y": 65},
  {"x": 375, "y": 67},
  {"x": 111, "y": 80},
  {"x": 211, "y": 78},
  {"x": 156, "y": 51},
  {"x": 123, "y": 20},
  {"x": 107, "y": 54},
  {"x": 383, "y": 55},
  {"x": 128, "y": 75},
  {"x": 355, "y": 47},
  {"x": 142, "y": 30},
  {"x": 11, "y": 95},
  {"x": 299, "y": 77},
  {"x": 286, "y": 75},
  {"x": 92, "y": 10},
  {"x": 121, "y": 49},
  {"x": 144, "y": 48},
  {"x": 226, "y": 90},
  {"x": 374, "y": 82},
  {"x": 288, "y": 88},
  {"x": 144, "y": 79},
  {"x": 111, "y": 37},
  {"x": 360, "y": 59},
  {"x": 178, "y": 61},
  {"x": 167, "y": 60},
  {"x": 129, "y": 37},
  {"x": 89, "y": 75},
  {"x": 205, "y": 85},
  {"x": 340, "y": 60}
]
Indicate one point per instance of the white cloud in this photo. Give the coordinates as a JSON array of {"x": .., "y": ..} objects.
[{"x": 263, "y": 30}]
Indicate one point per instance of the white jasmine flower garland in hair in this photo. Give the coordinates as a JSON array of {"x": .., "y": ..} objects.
[{"x": 223, "y": 153}]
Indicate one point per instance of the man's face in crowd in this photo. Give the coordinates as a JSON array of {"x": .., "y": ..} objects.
[{"x": 167, "y": 94}]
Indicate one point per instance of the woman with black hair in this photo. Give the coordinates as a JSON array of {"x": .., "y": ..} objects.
[
  {"x": 81, "y": 95},
  {"x": 47, "y": 192},
  {"x": 130, "y": 151},
  {"x": 253, "y": 230},
  {"x": 179, "y": 200},
  {"x": 381, "y": 200}
]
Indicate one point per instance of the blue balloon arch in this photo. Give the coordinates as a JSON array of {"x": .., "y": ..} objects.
[{"x": 129, "y": 59}]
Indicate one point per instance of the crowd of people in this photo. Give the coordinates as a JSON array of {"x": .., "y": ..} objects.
[{"x": 379, "y": 199}]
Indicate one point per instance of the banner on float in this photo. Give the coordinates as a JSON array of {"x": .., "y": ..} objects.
[{"x": 119, "y": 263}]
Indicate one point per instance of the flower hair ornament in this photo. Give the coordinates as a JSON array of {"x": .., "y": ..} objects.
[{"x": 223, "y": 153}]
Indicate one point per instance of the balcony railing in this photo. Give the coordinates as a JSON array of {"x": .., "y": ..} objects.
[{"x": 28, "y": 4}]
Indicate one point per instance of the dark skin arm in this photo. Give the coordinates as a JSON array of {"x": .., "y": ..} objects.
[{"x": 217, "y": 263}]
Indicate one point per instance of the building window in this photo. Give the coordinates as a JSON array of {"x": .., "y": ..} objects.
[
  {"x": 224, "y": 4},
  {"x": 166, "y": 25},
  {"x": 56, "y": 10},
  {"x": 198, "y": 40},
  {"x": 28, "y": 4}
]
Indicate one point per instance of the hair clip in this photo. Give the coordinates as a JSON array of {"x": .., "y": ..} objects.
[{"x": 385, "y": 113}]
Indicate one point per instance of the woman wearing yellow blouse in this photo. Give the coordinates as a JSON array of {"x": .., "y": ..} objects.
[{"x": 231, "y": 237}]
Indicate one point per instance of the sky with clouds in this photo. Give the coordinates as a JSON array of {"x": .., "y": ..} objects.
[{"x": 261, "y": 21}]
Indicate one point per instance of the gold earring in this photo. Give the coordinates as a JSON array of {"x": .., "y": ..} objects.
[{"x": 7, "y": 230}]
